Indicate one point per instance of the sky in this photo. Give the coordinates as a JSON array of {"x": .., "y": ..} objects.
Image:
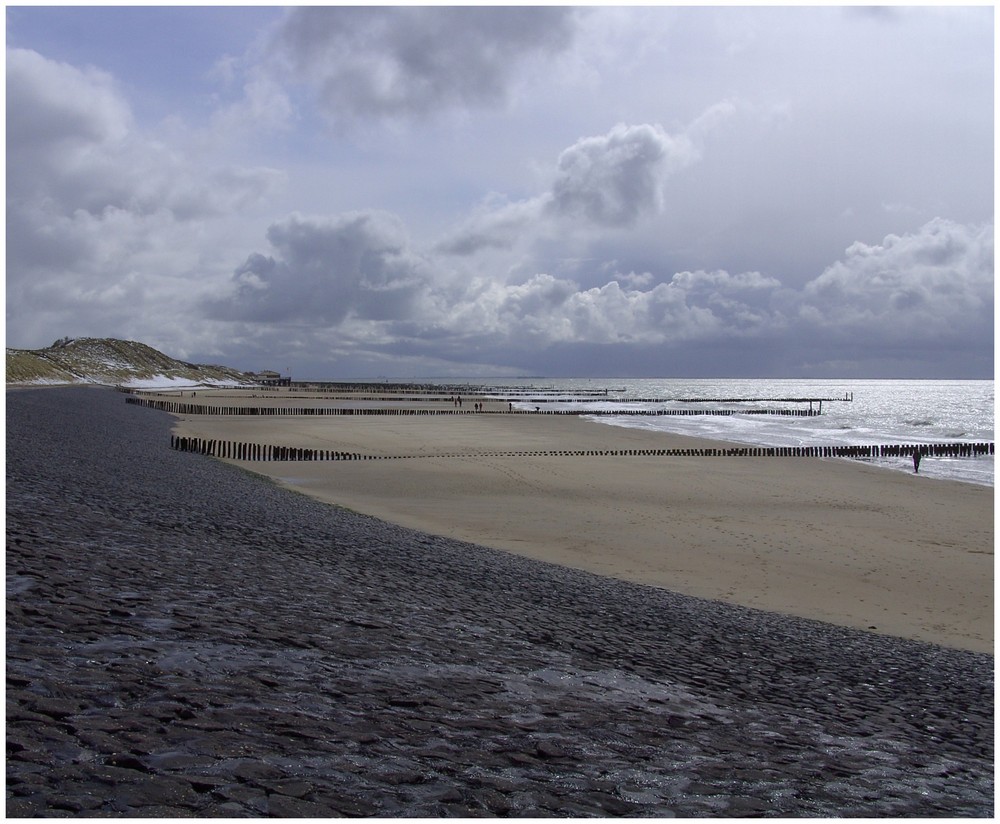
[{"x": 374, "y": 192}]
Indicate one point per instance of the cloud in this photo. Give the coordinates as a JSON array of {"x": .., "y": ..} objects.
[
  {"x": 74, "y": 146},
  {"x": 546, "y": 311},
  {"x": 617, "y": 178},
  {"x": 934, "y": 284},
  {"x": 328, "y": 269},
  {"x": 58, "y": 105},
  {"x": 413, "y": 61},
  {"x": 723, "y": 236},
  {"x": 609, "y": 182},
  {"x": 496, "y": 224},
  {"x": 264, "y": 106},
  {"x": 346, "y": 271},
  {"x": 101, "y": 216},
  {"x": 359, "y": 278},
  {"x": 611, "y": 314}
]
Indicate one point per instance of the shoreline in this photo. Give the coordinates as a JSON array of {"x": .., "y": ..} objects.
[
  {"x": 205, "y": 643},
  {"x": 832, "y": 540},
  {"x": 892, "y": 463}
]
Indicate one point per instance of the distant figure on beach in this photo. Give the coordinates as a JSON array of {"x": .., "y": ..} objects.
[
  {"x": 510, "y": 407},
  {"x": 916, "y": 461}
]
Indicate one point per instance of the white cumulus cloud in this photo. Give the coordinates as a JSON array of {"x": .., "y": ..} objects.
[
  {"x": 617, "y": 178},
  {"x": 937, "y": 282}
]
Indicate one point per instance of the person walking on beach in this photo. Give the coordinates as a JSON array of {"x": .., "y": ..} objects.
[{"x": 916, "y": 461}]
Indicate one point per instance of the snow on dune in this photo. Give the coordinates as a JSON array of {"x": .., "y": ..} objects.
[{"x": 165, "y": 382}]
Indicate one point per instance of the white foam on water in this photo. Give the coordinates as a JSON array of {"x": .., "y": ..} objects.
[{"x": 881, "y": 412}]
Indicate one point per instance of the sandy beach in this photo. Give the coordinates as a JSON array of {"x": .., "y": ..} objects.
[
  {"x": 832, "y": 540},
  {"x": 184, "y": 639}
]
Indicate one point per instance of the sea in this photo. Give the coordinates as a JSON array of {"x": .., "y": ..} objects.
[{"x": 854, "y": 412}]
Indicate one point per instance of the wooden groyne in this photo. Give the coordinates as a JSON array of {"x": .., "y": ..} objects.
[
  {"x": 187, "y": 408},
  {"x": 542, "y": 399},
  {"x": 241, "y": 451}
]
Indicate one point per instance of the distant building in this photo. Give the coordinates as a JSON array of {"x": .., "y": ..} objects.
[{"x": 268, "y": 378}]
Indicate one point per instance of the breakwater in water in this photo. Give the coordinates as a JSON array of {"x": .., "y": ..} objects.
[
  {"x": 242, "y": 451},
  {"x": 187, "y": 408}
]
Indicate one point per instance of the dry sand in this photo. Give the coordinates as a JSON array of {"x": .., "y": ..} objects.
[{"x": 834, "y": 540}]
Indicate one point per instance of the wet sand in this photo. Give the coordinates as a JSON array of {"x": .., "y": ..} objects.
[
  {"x": 833, "y": 540},
  {"x": 187, "y": 639}
]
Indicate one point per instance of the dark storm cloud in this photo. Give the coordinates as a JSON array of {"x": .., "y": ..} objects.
[{"x": 367, "y": 61}]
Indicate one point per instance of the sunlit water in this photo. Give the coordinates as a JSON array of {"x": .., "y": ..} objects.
[{"x": 881, "y": 412}]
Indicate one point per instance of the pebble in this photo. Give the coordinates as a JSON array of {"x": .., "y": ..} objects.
[{"x": 186, "y": 639}]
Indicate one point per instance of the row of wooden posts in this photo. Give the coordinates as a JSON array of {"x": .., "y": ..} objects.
[
  {"x": 181, "y": 408},
  {"x": 240, "y": 451}
]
